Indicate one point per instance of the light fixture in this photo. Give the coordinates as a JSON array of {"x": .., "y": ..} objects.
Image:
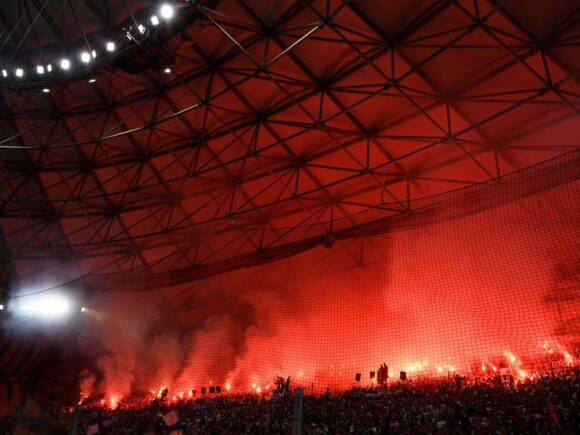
[
  {"x": 46, "y": 90},
  {"x": 19, "y": 72},
  {"x": 92, "y": 80},
  {"x": 48, "y": 306},
  {"x": 49, "y": 67},
  {"x": 154, "y": 20},
  {"x": 39, "y": 69},
  {"x": 166, "y": 11},
  {"x": 1, "y": 307},
  {"x": 4, "y": 73},
  {"x": 85, "y": 57},
  {"x": 167, "y": 70},
  {"x": 141, "y": 28},
  {"x": 94, "y": 54},
  {"x": 110, "y": 46},
  {"x": 65, "y": 64},
  {"x": 83, "y": 309}
]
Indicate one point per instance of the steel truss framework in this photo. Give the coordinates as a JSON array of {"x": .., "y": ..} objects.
[
  {"x": 281, "y": 121},
  {"x": 34, "y": 29}
]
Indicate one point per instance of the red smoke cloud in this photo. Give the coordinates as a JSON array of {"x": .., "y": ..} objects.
[{"x": 425, "y": 300}]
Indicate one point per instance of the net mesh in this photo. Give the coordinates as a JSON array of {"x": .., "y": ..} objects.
[{"x": 493, "y": 289}]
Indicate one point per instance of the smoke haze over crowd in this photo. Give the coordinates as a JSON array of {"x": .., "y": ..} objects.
[{"x": 427, "y": 300}]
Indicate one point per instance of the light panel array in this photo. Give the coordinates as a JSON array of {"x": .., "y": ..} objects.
[{"x": 166, "y": 12}]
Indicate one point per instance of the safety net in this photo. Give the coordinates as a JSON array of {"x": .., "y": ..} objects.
[{"x": 482, "y": 280}]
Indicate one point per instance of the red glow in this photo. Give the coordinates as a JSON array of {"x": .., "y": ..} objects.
[
  {"x": 418, "y": 368},
  {"x": 432, "y": 303}
]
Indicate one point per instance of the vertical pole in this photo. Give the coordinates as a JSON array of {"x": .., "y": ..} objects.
[{"x": 297, "y": 414}]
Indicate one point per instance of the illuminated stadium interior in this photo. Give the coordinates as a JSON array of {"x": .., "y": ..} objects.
[{"x": 199, "y": 197}]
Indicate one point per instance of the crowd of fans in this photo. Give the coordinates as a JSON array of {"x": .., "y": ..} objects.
[{"x": 544, "y": 405}]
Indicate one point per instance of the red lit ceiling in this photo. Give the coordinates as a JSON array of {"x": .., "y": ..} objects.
[{"x": 280, "y": 120}]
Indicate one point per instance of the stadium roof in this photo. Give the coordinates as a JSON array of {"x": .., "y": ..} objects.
[{"x": 241, "y": 128}]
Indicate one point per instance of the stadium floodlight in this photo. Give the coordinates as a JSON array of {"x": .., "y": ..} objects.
[
  {"x": 154, "y": 20},
  {"x": 110, "y": 46},
  {"x": 43, "y": 305},
  {"x": 40, "y": 69},
  {"x": 19, "y": 72},
  {"x": 166, "y": 11},
  {"x": 65, "y": 64},
  {"x": 85, "y": 57}
]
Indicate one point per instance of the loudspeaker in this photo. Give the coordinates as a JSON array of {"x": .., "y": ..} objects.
[
  {"x": 218, "y": 389},
  {"x": 372, "y": 375},
  {"x": 403, "y": 376},
  {"x": 211, "y": 390},
  {"x": 357, "y": 377},
  {"x": 202, "y": 390}
]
